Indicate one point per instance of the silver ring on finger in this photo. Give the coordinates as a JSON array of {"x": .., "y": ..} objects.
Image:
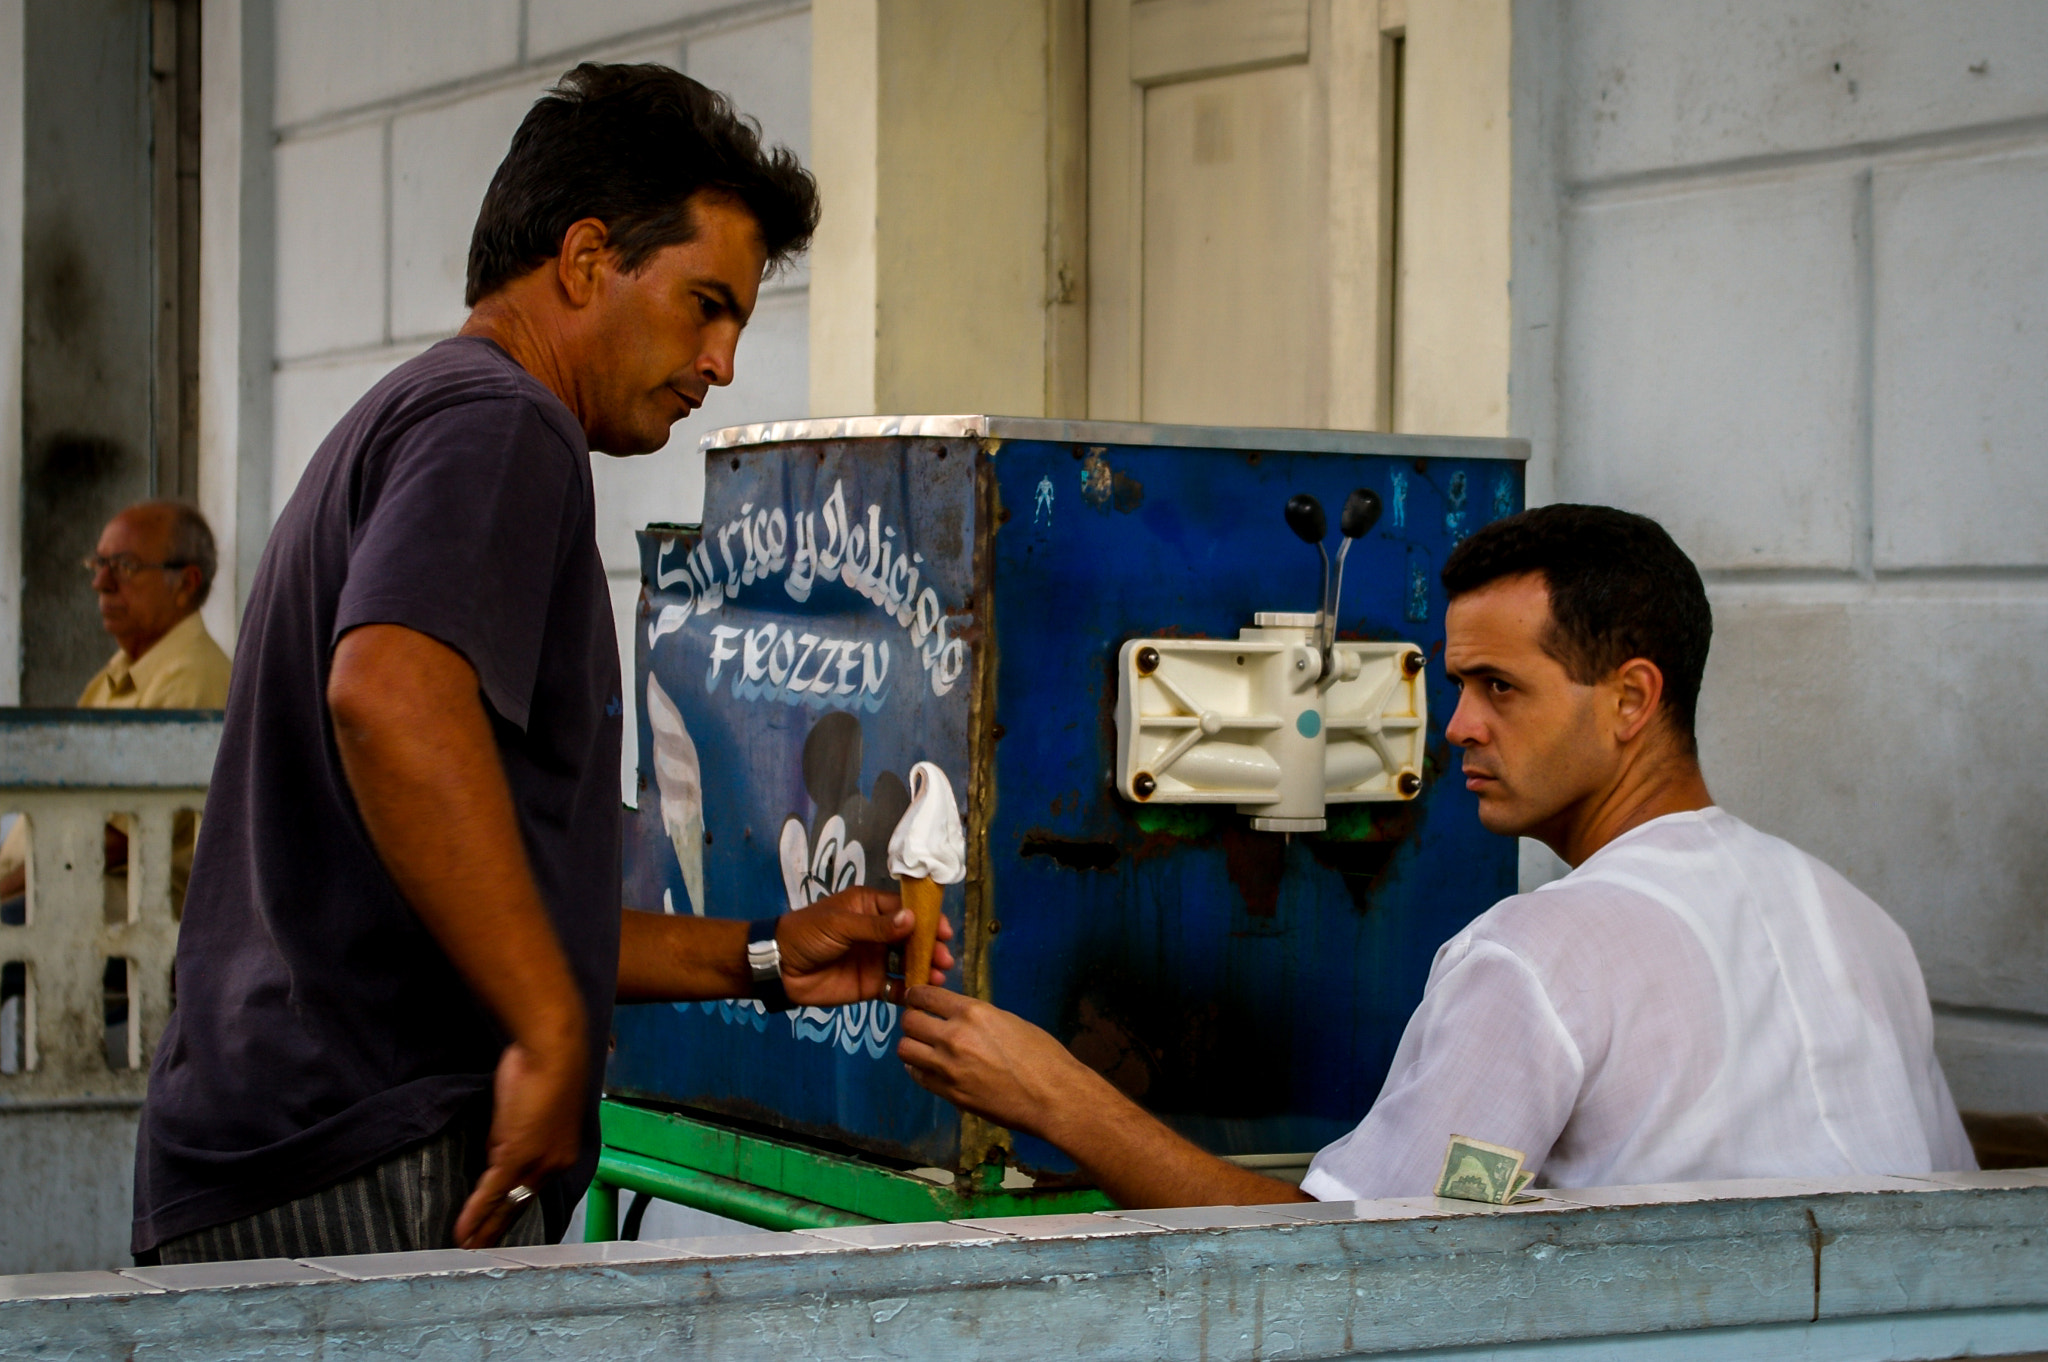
[{"x": 520, "y": 1195}]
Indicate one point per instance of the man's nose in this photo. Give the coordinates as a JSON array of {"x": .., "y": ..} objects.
[
  {"x": 715, "y": 365},
  {"x": 1465, "y": 729}
]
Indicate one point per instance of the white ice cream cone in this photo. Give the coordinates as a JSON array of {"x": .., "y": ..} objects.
[{"x": 927, "y": 852}]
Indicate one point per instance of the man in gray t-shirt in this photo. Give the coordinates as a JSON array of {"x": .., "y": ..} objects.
[{"x": 403, "y": 934}]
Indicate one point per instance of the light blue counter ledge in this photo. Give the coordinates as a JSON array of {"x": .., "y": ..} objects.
[{"x": 1873, "y": 1268}]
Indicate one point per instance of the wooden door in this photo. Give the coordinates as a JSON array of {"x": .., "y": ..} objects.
[{"x": 1240, "y": 202}]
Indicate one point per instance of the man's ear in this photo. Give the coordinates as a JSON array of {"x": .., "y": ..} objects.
[
  {"x": 586, "y": 249},
  {"x": 1638, "y": 691}
]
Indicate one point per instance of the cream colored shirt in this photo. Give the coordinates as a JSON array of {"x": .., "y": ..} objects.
[
  {"x": 1698, "y": 1000},
  {"x": 185, "y": 670}
]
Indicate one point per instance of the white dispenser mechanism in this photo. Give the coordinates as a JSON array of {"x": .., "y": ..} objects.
[{"x": 1281, "y": 721}]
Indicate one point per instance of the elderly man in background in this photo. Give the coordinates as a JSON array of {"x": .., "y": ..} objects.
[{"x": 152, "y": 571}]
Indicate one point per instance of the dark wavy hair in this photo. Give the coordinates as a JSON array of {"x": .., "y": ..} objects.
[
  {"x": 630, "y": 146},
  {"x": 1619, "y": 588}
]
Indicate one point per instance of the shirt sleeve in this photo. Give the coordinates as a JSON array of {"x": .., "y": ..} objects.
[
  {"x": 1485, "y": 1055},
  {"x": 459, "y": 537}
]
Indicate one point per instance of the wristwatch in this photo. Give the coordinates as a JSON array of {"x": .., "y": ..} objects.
[{"x": 764, "y": 962}]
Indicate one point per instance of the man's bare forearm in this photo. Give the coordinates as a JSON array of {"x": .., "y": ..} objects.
[
  {"x": 668, "y": 958},
  {"x": 832, "y": 952},
  {"x": 416, "y": 745},
  {"x": 1138, "y": 1161},
  {"x": 1018, "y": 1075}
]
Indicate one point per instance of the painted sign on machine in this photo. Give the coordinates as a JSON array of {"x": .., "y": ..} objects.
[{"x": 865, "y": 596}]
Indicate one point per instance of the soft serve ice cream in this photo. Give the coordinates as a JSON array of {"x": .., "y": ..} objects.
[
  {"x": 927, "y": 850},
  {"x": 928, "y": 842}
]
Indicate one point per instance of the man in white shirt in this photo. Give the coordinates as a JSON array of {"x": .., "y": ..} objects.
[{"x": 1696, "y": 1000}]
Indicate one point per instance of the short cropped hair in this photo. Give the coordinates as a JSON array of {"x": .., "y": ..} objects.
[
  {"x": 630, "y": 146},
  {"x": 1619, "y": 588},
  {"x": 191, "y": 542}
]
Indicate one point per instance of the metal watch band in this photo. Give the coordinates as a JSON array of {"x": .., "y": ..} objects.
[{"x": 764, "y": 963}]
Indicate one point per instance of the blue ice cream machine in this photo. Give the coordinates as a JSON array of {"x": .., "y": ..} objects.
[{"x": 1213, "y": 845}]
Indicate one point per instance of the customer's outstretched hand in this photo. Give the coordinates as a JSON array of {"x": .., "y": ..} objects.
[{"x": 992, "y": 1062}]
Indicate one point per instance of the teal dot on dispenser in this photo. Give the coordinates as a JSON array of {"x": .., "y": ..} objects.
[{"x": 1309, "y": 724}]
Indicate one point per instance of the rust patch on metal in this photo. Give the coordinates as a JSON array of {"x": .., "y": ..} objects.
[
  {"x": 1174, "y": 1051},
  {"x": 1071, "y": 853},
  {"x": 1254, "y": 861},
  {"x": 1106, "y": 1045},
  {"x": 1103, "y": 487},
  {"x": 981, "y": 1141},
  {"x": 1361, "y": 865}
]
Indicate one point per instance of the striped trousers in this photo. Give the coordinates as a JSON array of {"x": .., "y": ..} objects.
[{"x": 409, "y": 1201}]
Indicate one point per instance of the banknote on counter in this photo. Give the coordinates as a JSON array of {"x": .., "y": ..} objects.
[{"x": 1477, "y": 1171}]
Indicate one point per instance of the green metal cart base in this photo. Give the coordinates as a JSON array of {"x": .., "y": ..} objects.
[{"x": 778, "y": 1185}]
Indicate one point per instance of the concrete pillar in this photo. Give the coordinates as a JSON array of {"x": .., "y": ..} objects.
[
  {"x": 948, "y": 138},
  {"x": 1537, "y": 276},
  {"x": 11, "y": 113},
  {"x": 236, "y": 290},
  {"x": 1451, "y": 289},
  {"x": 88, "y": 360}
]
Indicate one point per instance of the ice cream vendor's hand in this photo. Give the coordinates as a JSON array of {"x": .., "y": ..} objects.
[
  {"x": 991, "y": 1062},
  {"x": 536, "y": 1123},
  {"x": 836, "y": 950}
]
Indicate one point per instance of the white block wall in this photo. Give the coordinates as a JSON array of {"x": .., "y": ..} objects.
[
  {"x": 1795, "y": 254},
  {"x": 392, "y": 117}
]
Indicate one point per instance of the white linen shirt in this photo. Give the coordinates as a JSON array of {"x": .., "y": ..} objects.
[{"x": 1697, "y": 1000}]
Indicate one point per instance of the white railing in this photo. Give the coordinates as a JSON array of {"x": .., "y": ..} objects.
[{"x": 86, "y": 981}]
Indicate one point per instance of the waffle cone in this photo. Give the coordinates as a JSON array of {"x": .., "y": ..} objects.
[{"x": 921, "y": 896}]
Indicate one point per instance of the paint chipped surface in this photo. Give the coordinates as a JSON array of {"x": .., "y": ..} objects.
[
  {"x": 1575, "y": 1283},
  {"x": 1103, "y": 487}
]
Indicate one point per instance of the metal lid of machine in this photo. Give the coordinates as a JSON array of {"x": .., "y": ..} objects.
[{"x": 1117, "y": 433}]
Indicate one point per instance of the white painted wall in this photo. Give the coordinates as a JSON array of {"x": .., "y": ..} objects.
[
  {"x": 391, "y": 117},
  {"x": 1782, "y": 282}
]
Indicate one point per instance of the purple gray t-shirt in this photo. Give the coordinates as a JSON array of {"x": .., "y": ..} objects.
[{"x": 319, "y": 1028}]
